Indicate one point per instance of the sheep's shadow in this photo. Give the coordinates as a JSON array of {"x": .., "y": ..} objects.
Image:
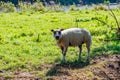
[{"x": 62, "y": 68}]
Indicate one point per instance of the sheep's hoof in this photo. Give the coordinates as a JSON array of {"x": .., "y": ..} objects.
[
  {"x": 79, "y": 59},
  {"x": 63, "y": 61},
  {"x": 87, "y": 62}
]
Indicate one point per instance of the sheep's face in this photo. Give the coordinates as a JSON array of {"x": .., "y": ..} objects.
[{"x": 57, "y": 34}]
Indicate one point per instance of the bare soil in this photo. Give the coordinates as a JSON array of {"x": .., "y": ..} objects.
[{"x": 105, "y": 67}]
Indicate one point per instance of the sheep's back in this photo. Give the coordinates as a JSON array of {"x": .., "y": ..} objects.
[{"x": 76, "y": 36}]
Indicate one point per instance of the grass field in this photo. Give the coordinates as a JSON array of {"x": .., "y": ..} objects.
[{"x": 27, "y": 44}]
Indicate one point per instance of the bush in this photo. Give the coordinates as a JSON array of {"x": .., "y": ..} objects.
[
  {"x": 73, "y": 8},
  {"x": 99, "y": 7},
  {"x": 24, "y": 6},
  {"x": 7, "y": 7},
  {"x": 28, "y": 7},
  {"x": 38, "y": 6},
  {"x": 55, "y": 8},
  {"x": 31, "y": 7}
]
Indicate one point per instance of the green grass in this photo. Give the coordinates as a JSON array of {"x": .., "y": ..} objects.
[{"x": 26, "y": 41}]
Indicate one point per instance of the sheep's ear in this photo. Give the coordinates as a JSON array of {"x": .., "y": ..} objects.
[
  {"x": 61, "y": 29},
  {"x": 52, "y": 30}
]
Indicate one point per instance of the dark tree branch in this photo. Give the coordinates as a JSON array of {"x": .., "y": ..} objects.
[
  {"x": 113, "y": 39},
  {"x": 101, "y": 21},
  {"x": 113, "y": 15}
]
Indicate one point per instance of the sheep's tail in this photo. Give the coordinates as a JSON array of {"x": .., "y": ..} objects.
[{"x": 90, "y": 39}]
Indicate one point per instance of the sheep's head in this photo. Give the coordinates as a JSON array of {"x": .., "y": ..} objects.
[{"x": 57, "y": 33}]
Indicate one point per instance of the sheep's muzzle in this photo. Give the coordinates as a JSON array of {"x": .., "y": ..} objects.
[{"x": 57, "y": 37}]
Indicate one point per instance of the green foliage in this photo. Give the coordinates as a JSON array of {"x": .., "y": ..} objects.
[{"x": 106, "y": 1}]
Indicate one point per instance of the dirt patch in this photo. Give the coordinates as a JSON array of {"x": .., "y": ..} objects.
[{"x": 100, "y": 68}]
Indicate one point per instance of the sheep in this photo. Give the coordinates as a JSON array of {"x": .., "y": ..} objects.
[{"x": 73, "y": 37}]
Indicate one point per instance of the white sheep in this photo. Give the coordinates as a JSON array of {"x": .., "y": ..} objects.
[{"x": 73, "y": 37}]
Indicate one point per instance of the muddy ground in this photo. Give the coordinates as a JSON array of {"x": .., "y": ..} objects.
[{"x": 105, "y": 67}]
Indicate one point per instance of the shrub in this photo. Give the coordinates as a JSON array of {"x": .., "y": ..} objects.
[
  {"x": 24, "y": 6},
  {"x": 99, "y": 7},
  {"x": 73, "y": 8},
  {"x": 31, "y": 7},
  {"x": 119, "y": 6},
  {"x": 38, "y": 6},
  {"x": 7, "y": 7}
]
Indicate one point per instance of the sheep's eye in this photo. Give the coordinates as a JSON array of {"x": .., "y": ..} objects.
[
  {"x": 54, "y": 32},
  {"x": 59, "y": 32}
]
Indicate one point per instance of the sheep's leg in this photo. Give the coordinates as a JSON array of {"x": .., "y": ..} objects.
[
  {"x": 64, "y": 50},
  {"x": 80, "y": 51},
  {"x": 88, "y": 55}
]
